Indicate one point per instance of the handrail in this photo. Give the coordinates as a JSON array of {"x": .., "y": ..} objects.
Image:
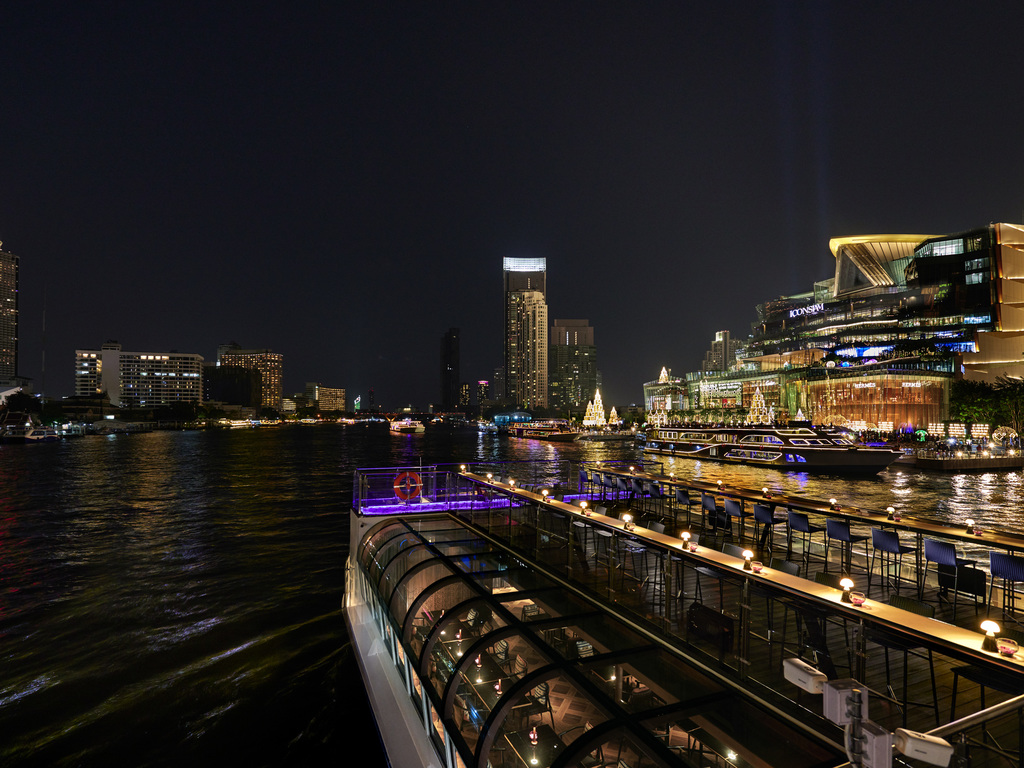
[{"x": 977, "y": 718}]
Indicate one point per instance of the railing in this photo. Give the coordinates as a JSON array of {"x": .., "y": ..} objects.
[{"x": 736, "y": 623}]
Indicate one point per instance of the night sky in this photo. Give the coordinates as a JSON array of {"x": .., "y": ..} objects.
[{"x": 339, "y": 182}]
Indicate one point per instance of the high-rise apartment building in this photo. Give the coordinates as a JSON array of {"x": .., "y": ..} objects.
[
  {"x": 722, "y": 354},
  {"x": 450, "y": 370},
  {"x": 138, "y": 379},
  {"x": 269, "y": 364},
  {"x": 526, "y": 332},
  {"x": 8, "y": 316},
  {"x": 572, "y": 365}
]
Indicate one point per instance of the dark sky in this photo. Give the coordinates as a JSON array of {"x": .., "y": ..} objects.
[{"x": 339, "y": 181}]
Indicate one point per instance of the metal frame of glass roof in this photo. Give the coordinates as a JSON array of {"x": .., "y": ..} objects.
[{"x": 461, "y": 609}]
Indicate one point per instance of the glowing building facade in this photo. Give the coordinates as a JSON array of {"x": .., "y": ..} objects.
[
  {"x": 880, "y": 342},
  {"x": 526, "y": 332},
  {"x": 138, "y": 379},
  {"x": 270, "y": 366},
  {"x": 8, "y": 316}
]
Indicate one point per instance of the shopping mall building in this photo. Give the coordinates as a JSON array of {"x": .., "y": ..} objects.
[{"x": 880, "y": 342}]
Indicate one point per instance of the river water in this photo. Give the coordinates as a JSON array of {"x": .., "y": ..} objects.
[{"x": 175, "y": 597}]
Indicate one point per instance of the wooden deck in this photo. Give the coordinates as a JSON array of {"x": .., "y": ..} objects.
[{"x": 780, "y": 629}]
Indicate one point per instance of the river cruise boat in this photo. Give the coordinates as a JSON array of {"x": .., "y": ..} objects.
[
  {"x": 798, "y": 446},
  {"x": 557, "y": 430},
  {"x": 407, "y": 427}
]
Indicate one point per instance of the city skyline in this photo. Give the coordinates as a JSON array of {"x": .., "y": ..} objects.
[{"x": 337, "y": 184}]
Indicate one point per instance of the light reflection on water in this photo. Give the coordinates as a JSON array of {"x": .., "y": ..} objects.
[{"x": 173, "y": 598}]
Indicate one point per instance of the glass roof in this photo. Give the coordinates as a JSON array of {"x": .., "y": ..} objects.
[{"x": 503, "y": 649}]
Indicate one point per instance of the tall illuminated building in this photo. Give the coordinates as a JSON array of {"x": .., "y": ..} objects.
[
  {"x": 722, "y": 354},
  {"x": 572, "y": 365},
  {"x": 526, "y": 332},
  {"x": 450, "y": 377},
  {"x": 269, "y": 364},
  {"x": 8, "y": 316}
]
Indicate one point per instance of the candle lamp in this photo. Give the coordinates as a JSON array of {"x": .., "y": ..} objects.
[
  {"x": 970, "y": 526},
  {"x": 847, "y": 585},
  {"x": 747, "y": 557},
  {"x": 833, "y": 503},
  {"x": 583, "y": 507},
  {"x": 490, "y": 476},
  {"x": 766, "y": 493},
  {"x": 719, "y": 485},
  {"x": 628, "y": 522},
  {"x": 533, "y": 736},
  {"x": 989, "y": 643},
  {"x": 511, "y": 483},
  {"x": 462, "y": 467},
  {"x": 889, "y": 512},
  {"x": 544, "y": 493}
]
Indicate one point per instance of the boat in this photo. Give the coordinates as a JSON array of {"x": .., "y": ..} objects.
[
  {"x": 469, "y": 603},
  {"x": 39, "y": 434},
  {"x": 407, "y": 427},
  {"x": 606, "y": 437},
  {"x": 556, "y": 430},
  {"x": 797, "y": 446}
]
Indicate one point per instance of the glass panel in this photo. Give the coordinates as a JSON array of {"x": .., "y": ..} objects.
[
  {"x": 400, "y": 565},
  {"x": 622, "y": 749},
  {"x": 434, "y": 607},
  {"x": 374, "y": 543},
  {"x": 543, "y": 718},
  {"x": 740, "y": 733}
]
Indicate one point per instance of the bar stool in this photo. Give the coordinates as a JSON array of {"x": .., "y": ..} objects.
[
  {"x": 585, "y": 482},
  {"x": 1009, "y": 568},
  {"x": 888, "y": 543},
  {"x": 800, "y": 523},
  {"x": 606, "y": 540},
  {"x": 765, "y": 521},
  {"x": 890, "y": 641},
  {"x": 792, "y": 569},
  {"x": 622, "y": 486},
  {"x": 943, "y": 553},
  {"x": 657, "y": 497},
  {"x": 583, "y": 532},
  {"x": 729, "y": 549},
  {"x": 683, "y": 497},
  {"x": 839, "y": 530},
  {"x": 714, "y": 514},
  {"x": 733, "y": 509}
]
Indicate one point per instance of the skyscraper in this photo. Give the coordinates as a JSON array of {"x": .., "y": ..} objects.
[
  {"x": 8, "y": 316},
  {"x": 722, "y": 354},
  {"x": 526, "y": 332},
  {"x": 450, "y": 370},
  {"x": 572, "y": 365}
]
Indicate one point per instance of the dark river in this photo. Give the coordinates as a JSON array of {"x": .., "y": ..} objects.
[{"x": 174, "y": 598}]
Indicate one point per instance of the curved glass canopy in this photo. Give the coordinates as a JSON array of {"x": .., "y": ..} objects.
[{"x": 521, "y": 670}]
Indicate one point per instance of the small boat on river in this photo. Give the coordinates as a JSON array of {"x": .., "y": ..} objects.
[
  {"x": 797, "y": 446},
  {"x": 407, "y": 427}
]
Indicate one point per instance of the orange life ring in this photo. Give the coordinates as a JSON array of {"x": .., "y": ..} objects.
[{"x": 408, "y": 486}]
